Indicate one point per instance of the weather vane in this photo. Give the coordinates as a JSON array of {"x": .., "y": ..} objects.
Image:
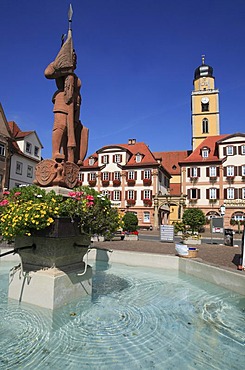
[{"x": 70, "y": 13}]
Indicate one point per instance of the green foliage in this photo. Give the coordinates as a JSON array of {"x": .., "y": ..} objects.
[
  {"x": 30, "y": 208},
  {"x": 194, "y": 218},
  {"x": 178, "y": 226},
  {"x": 130, "y": 222}
]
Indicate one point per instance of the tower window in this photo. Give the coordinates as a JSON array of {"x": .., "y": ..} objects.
[
  {"x": 205, "y": 126},
  {"x": 205, "y": 107}
]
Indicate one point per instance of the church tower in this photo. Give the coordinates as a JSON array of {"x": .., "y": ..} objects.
[{"x": 204, "y": 105}]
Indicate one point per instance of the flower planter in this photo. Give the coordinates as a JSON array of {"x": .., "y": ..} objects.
[
  {"x": 147, "y": 182},
  {"x": 191, "y": 241},
  {"x": 116, "y": 182},
  {"x": 130, "y": 202},
  {"x": 131, "y": 237},
  {"x": 131, "y": 182},
  {"x": 105, "y": 183},
  {"x": 92, "y": 183}
]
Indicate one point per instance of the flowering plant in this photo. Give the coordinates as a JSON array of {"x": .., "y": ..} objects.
[{"x": 25, "y": 209}]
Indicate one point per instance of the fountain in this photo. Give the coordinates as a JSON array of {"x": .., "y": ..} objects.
[{"x": 52, "y": 271}]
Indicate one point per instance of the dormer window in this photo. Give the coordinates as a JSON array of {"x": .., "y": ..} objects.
[
  {"x": 105, "y": 159},
  {"x": 91, "y": 161},
  {"x": 117, "y": 158},
  {"x": 229, "y": 150},
  {"x": 138, "y": 158},
  {"x": 28, "y": 147},
  {"x": 36, "y": 151},
  {"x": 205, "y": 153}
]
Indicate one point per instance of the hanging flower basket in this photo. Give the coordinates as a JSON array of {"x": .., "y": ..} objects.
[
  {"x": 92, "y": 183},
  {"x": 131, "y": 202},
  {"x": 131, "y": 182},
  {"x": 116, "y": 182},
  {"x": 147, "y": 182},
  {"x": 105, "y": 182},
  {"x": 147, "y": 202}
]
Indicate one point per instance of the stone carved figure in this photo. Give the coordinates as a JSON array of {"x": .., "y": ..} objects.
[{"x": 69, "y": 137}]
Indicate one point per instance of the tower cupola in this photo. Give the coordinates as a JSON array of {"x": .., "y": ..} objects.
[{"x": 203, "y": 70}]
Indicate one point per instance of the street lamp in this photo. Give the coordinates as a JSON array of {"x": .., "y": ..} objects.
[{"x": 222, "y": 210}]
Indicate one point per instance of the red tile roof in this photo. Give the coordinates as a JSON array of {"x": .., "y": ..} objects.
[
  {"x": 170, "y": 160},
  {"x": 210, "y": 143},
  {"x": 16, "y": 131}
]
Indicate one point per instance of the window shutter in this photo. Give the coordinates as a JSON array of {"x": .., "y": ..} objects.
[
  {"x": 217, "y": 193},
  {"x": 235, "y": 170},
  {"x": 207, "y": 194},
  {"x": 142, "y": 175},
  {"x": 120, "y": 195},
  {"x": 217, "y": 171},
  {"x": 236, "y": 193},
  {"x": 188, "y": 172},
  {"x": 135, "y": 194},
  {"x": 240, "y": 150},
  {"x": 142, "y": 194},
  {"x": 207, "y": 172},
  {"x": 112, "y": 176},
  {"x": 135, "y": 175},
  {"x": 188, "y": 194},
  {"x": 114, "y": 158},
  {"x": 150, "y": 194},
  {"x": 120, "y": 157},
  {"x": 224, "y": 151},
  {"x": 225, "y": 193},
  {"x": 198, "y": 193},
  {"x": 88, "y": 176},
  {"x": 225, "y": 171},
  {"x": 234, "y": 150},
  {"x": 198, "y": 172},
  {"x": 126, "y": 195},
  {"x": 126, "y": 175}
]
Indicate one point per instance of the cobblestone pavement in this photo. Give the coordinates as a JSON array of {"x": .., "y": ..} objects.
[{"x": 218, "y": 255}]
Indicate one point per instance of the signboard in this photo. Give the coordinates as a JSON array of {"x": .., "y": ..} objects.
[
  {"x": 217, "y": 224},
  {"x": 167, "y": 233}
]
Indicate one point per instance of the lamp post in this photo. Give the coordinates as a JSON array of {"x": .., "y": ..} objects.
[{"x": 222, "y": 212}]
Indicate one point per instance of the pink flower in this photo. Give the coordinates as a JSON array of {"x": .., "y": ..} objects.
[
  {"x": 17, "y": 193},
  {"x": 4, "y": 202},
  {"x": 72, "y": 194},
  {"x": 90, "y": 197},
  {"x": 6, "y": 192}
]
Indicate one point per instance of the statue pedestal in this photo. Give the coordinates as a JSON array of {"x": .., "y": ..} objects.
[{"x": 52, "y": 272}]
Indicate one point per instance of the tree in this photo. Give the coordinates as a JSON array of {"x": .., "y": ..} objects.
[
  {"x": 130, "y": 222},
  {"x": 194, "y": 217}
]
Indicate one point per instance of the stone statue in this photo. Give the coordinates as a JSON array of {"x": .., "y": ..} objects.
[{"x": 69, "y": 137}]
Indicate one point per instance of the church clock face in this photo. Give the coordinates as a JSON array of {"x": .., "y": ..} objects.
[{"x": 205, "y": 100}]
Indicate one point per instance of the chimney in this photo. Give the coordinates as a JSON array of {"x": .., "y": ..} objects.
[{"x": 131, "y": 141}]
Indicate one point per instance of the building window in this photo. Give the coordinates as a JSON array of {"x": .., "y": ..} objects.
[
  {"x": 19, "y": 167},
  {"x": 130, "y": 194},
  {"x": 116, "y": 195},
  {"x": 92, "y": 176},
  {"x": 105, "y": 176},
  {"x": 147, "y": 217},
  {"x": 229, "y": 150},
  {"x": 205, "y": 107},
  {"x": 105, "y": 159},
  {"x": 106, "y": 193},
  {"x": 1, "y": 182},
  {"x": 117, "y": 158},
  {"x": 205, "y": 126},
  {"x": 147, "y": 174},
  {"x": 205, "y": 153},
  {"x": 138, "y": 158},
  {"x": 212, "y": 193},
  {"x": 230, "y": 193},
  {"x": 29, "y": 171},
  {"x": 230, "y": 171},
  {"x": 131, "y": 175},
  {"x": 243, "y": 193},
  {"x": 117, "y": 175},
  {"x": 2, "y": 149},
  {"x": 243, "y": 171},
  {"x": 36, "y": 151},
  {"x": 28, "y": 147},
  {"x": 91, "y": 161},
  {"x": 193, "y": 172},
  {"x": 147, "y": 194},
  {"x": 193, "y": 193},
  {"x": 212, "y": 171},
  {"x": 243, "y": 149}
]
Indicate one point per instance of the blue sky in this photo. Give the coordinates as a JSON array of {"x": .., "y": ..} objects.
[{"x": 136, "y": 60}]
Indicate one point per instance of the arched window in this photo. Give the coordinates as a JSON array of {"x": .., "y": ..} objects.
[{"x": 205, "y": 126}]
